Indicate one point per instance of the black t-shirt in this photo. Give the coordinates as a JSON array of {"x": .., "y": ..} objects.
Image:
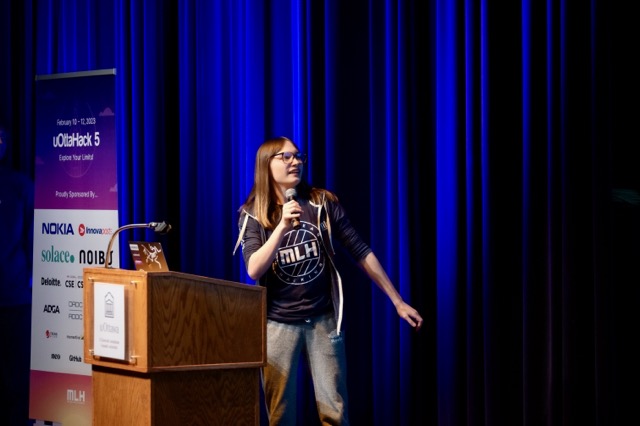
[{"x": 298, "y": 282}]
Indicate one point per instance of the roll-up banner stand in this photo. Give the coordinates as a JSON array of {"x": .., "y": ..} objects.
[{"x": 76, "y": 212}]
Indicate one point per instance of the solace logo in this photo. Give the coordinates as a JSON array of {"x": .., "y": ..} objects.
[{"x": 56, "y": 256}]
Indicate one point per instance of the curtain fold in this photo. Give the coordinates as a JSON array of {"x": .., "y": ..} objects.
[{"x": 481, "y": 148}]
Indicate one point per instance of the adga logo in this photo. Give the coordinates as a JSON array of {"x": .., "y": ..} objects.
[{"x": 52, "y": 309}]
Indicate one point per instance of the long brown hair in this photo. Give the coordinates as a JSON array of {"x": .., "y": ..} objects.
[{"x": 263, "y": 197}]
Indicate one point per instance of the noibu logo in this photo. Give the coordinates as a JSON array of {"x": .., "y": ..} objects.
[
  {"x": 53, "y": 228},
  {"x": 91, "y": 257},
  {"x": 56, "y": 256}
]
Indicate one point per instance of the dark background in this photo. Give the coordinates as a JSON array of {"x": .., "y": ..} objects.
[{"x": 486, "y": 149}]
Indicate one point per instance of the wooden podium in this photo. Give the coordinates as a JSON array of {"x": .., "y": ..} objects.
[{"x": 193, "y": 349}]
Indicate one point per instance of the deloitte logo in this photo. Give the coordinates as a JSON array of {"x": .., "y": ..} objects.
[{"x": 56, "y": 256}]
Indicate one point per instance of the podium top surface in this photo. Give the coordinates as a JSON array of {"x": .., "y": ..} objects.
[{"x": 175, "y": 320}]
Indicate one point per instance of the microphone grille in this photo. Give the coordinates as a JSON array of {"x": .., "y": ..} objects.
[
  {"x": 162, "y": 228},
  {"x": 291, "y": 193}
]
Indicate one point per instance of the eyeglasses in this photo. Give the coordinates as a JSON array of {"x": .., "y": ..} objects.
[{"x": 287, "y": 157}]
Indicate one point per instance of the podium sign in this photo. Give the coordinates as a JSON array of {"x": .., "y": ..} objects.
[
  {"x": 190, "y": 351},
  {"x": 109, "y": 332}
]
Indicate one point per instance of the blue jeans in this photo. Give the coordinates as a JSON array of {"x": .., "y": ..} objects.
[{"x": 327, "y": 361}]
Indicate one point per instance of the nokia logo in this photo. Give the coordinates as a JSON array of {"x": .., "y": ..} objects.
[{"x": 57, "y": 229}]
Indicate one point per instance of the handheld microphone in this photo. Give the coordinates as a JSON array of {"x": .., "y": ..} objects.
[
  {"x": 159, "y": 227},
  {"x": 291, "y": 194}
]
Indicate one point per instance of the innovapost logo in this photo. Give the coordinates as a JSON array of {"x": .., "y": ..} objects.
[{"x": 87, "y": 230}]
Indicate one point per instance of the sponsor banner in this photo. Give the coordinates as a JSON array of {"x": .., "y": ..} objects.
[
  {"x": 59, "y": 398},
  {"x": 65, "y": 242},
  {"x": 76, "y": 214},
  {"x": 75, "y": 144}
]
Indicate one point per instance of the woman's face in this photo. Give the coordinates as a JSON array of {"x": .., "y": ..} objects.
[{"x": 285, "y": 169}]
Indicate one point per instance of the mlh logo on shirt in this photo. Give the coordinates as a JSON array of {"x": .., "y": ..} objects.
[{"x": 300, "y": 259}]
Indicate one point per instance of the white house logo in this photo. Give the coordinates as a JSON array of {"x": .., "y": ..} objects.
[
  {"x": 108, "y": 306},
  {"x": 300, "y": 259}
]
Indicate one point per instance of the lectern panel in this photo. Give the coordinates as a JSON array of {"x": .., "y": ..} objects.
[
  {"x": 194, "y": 348},
  {"x": 181, "y": 321}
]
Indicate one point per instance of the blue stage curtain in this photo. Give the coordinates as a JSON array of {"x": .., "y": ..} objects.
[{"x": 481, "y": 147}]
